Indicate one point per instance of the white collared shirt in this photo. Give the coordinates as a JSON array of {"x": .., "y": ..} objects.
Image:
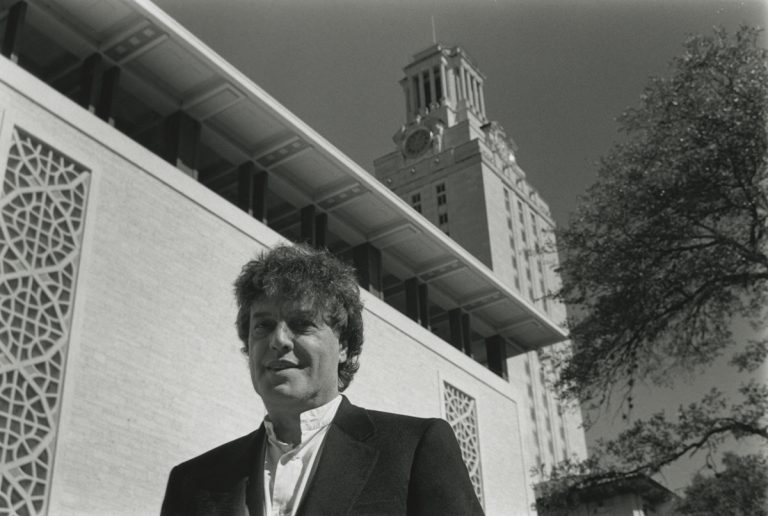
[{"x": 288, "y": 468}]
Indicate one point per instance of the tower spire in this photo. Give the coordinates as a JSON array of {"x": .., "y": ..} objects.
[{"x": 434, "y": 31}]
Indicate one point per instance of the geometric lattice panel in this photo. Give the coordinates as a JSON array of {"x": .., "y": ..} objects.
[
  {"x": 461, "y": 414},
  {"x": 42, "y": 209}
]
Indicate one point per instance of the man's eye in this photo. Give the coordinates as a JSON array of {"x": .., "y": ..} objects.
[
  {"x": 262, "y": 326},
  {"x": 302, "y": 325}
]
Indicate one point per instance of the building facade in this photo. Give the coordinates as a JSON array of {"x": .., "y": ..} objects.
[
  {"x": 458, "y": 169},
  {"x": 138, "y": 172}
]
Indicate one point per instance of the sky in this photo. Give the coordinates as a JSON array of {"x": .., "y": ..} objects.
[{"x": 558, "y": 73}]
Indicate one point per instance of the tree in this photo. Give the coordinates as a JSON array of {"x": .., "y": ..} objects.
[
  {"x": 668, "y": 247},
  {"x": 741, "y": 489}
]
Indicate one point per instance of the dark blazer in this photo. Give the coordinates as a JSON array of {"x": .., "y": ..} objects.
[{"x": 371, "y": 463}]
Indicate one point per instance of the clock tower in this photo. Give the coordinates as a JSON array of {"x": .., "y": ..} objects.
[
  {"x": 451, "y": 163},
  {"x": 458, "y": 169},
  {"x": 443, "y": 88}
]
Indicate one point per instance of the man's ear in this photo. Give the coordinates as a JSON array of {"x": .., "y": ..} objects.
[{"x": 342, "y": 352}]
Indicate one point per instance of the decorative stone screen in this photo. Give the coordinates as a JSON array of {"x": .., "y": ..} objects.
[
  {"x": 42, "y": 211},
  {"x": 461, "y": 413}
]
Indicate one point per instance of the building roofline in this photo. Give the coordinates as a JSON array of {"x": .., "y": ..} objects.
[{"x": 528, "y": 327}]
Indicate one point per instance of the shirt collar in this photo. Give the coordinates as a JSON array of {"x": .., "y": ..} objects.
[{"x": 310, "y": 421}]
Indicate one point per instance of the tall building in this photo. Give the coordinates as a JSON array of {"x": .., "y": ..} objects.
[
  {"x": 138, "y": 172},
  {"x": 458, "y": 169}
]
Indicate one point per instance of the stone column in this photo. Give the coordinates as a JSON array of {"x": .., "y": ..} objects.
[
  {"x": 496, "y": 352},
  {"x": 90, "y": 72},
  {"x": 182, "y": 136},
  {"x": 445, "y": 84},
  {"x": 432, "y": 88},
  {"x": 422, "y": 99},
  {"x": 252, "y": 191},
  {"x": 481, "y": 97},
  {"x": 417, "y": 302},
  {"x": 367, "y": 261},
  {"x": 106, "y": 103},
  {"x": 460, "y": 333},
  {"x": 314, "y": 226},
  {"x": 14, "y": 28},
  {"x": 413, "y": 83}
]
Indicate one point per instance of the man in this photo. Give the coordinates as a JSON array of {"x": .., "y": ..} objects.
[{"x": 300, "y": 321}]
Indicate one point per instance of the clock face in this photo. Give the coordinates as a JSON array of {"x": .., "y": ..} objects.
[{"x": 417, "y": 142}]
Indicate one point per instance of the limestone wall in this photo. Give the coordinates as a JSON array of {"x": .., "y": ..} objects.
[{"x": 151, "y": 368}]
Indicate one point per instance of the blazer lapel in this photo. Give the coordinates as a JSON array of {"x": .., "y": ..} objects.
[
  {"x": 345, "y": 464},
  {"x": 254, "y": 496}
]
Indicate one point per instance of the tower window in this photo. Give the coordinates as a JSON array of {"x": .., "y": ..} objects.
[
  {"x": 511, "y": 242},
  {"x": 415, "y": 87},
  {"x": 443, "y": 218},
  {"x": 441, "y": 195},
  {"x": 438, "y": 84},
  {"x": 427, "y": 89},
  {"x": 416, "y": 202},
  {"x": 509, "y": 224}
]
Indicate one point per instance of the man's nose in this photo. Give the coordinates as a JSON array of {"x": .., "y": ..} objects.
[{"x": 282, "y": 337}]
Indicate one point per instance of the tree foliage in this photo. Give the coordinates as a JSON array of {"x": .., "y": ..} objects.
[
  {"x": 741, "y": 489},
  {"x": 669, "y": 246}
]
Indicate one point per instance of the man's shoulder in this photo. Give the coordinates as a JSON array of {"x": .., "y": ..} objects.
[
  {"x": 404, "y": 425},
  {"x": 239, "y": 450},
  {"x": 391, "y": 418}
]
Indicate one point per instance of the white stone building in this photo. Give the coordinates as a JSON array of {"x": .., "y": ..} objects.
[
  {"x": 138, "y": 172},
  {"x": 458, "y": 169}
]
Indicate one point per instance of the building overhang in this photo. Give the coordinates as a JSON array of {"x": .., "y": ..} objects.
[{"x": 171, "y": 69}]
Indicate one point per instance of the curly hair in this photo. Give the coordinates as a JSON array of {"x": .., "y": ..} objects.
[{"x": 299, "y": 272}]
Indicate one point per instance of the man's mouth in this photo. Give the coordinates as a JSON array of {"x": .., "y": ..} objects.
[{"x": 281, "y": 365}]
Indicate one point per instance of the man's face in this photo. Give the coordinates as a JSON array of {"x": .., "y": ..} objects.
[{"x": 293, "y": 355}]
